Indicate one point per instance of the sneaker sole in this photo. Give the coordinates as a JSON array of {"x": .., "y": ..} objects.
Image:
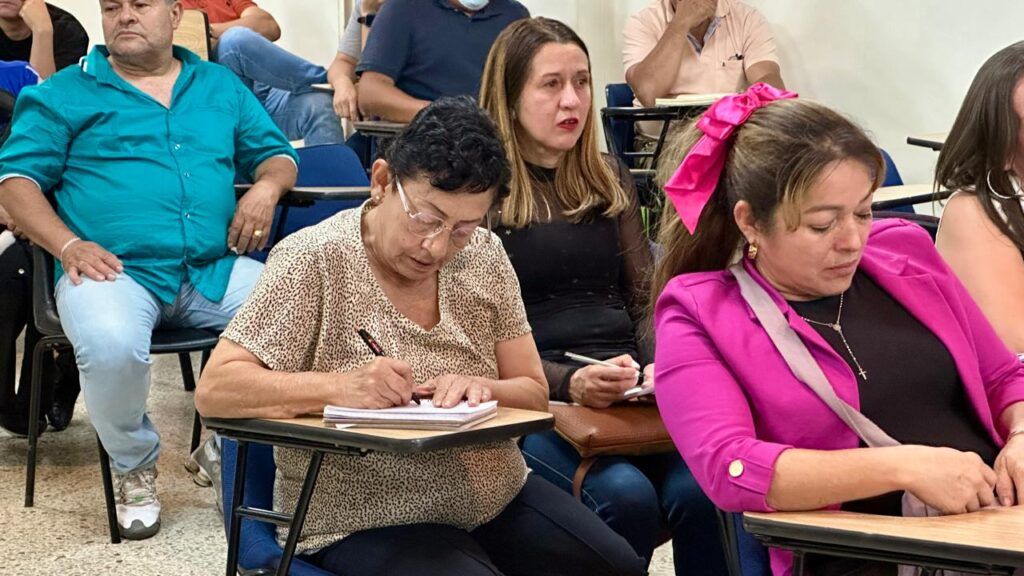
[
  {"x": 199, "y": 476},
  {"x": 138, "y": 531}
]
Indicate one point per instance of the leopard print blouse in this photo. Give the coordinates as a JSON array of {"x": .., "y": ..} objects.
[{"x": 317, "y": 286}]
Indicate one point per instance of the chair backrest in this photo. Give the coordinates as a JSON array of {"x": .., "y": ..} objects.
[
  {"x": 193, "y": 33},
  {"x": 892, "y": 174},
  {"x": 257, "y": 547},
  {"x": 44, "y": 303},
  {"x": 324, "y": 165},
  {"x": 620, "y": 134}
]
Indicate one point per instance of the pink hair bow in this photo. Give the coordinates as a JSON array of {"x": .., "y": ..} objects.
[{"x": 695, "y": 180}]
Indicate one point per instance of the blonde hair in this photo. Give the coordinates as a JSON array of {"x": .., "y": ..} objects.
[
  {"x": 776, "y": 157},
  {"x": 584, "y": 182}
]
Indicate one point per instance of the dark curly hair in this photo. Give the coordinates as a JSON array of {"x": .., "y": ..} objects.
[{"x": 454, "y": 145}]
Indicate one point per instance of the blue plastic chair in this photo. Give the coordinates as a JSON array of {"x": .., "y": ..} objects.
[
  {"x": 257, "y": 547},
  {"x": 324, "y": 165},
  {"x": 622, "y": 133}
]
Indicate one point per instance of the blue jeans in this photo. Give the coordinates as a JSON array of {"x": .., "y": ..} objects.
[
  {"x": 281, "y": 81},
  {"x": 642, "y": 498},
  {"x": 110, "y": 325}
]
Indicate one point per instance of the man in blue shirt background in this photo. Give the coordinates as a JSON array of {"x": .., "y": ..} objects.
[
  {"x": 139, "y": 146},
  {"x": 421, "y": 50}
]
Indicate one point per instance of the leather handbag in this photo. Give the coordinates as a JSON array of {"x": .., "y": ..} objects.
[
  {"x": 625, "y": 429},
  {"x": 807, "y": 370}
]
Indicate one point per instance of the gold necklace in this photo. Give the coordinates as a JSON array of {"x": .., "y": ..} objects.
[{"x": 838, "y": 328}]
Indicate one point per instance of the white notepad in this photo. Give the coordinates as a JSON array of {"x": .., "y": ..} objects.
[
  {"x": 424, "y": 416},
  {"x": 691, "y": 99}
]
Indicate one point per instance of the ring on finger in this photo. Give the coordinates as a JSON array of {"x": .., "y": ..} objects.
[{"x": 257, "y": 233}]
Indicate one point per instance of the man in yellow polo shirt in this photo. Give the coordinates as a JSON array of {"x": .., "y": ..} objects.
[{"x": 675, "y": 47}]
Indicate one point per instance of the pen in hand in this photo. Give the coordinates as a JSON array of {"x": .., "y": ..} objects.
[{"x": 374, "y": 347}]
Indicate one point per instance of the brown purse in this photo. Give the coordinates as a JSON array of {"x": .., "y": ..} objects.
[{"x": 625, "y": 429}]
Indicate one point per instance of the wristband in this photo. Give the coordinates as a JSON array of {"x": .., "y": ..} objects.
[{"x": 65, "y": 247}]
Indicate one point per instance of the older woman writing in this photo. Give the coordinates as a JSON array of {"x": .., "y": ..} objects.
[
  {"x": 786, "y": 187},
  {"x": 412, "y": 268},
  {"x": 572, "y": 230}
]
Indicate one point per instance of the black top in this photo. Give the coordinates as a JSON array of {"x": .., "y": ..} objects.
[
  {"x": 70, "y": 42},
  {"x": 584, "y": 284},
  {"x": 913, "y": 391}
]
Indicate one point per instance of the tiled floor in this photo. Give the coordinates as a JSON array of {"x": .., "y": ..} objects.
[{"x": 66, "y": 532}]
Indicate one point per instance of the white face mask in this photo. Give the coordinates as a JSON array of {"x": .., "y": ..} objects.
[{"x": 474, "y": 5}]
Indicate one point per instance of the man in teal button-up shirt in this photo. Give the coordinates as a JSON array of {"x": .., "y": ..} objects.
[{"x": 140, "y": 146}]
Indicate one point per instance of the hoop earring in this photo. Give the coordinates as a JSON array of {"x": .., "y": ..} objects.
[
  {"x": 752, "y": 251},
  {"x": 988, "y": 180}
]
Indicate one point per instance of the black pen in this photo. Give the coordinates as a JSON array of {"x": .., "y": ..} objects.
[{"x": 374, "y": 347}]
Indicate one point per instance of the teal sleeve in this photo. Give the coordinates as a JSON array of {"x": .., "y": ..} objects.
[
  {"x": 257, "y": 138},
  {"x": 39, "y": 141}
]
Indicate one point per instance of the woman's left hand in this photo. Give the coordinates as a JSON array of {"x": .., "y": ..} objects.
[
  {"x": 648, "y": 381},
  {"x": 450, "y": 389},
  {"x": 1009, "y": 469}
]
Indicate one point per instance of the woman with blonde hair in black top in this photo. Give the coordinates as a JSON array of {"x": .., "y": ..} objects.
[{"x": 572, "y": 230}]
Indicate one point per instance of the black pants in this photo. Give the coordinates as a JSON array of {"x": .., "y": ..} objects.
[
  {"x": 544, "y": 531},
  {"x": 15, "y": 316}
]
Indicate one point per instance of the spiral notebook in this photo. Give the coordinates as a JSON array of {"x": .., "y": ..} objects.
[{"x": 424, "y": 416}]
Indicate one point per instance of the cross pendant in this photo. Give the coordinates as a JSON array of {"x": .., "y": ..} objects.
[
  {"x": 836, "y": 327},
  {"x": 863, "y": 374}
]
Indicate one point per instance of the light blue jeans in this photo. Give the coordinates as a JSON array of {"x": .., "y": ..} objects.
[
  {"x": 110, "y": 325},
  {"x": 281, "y": 81}
]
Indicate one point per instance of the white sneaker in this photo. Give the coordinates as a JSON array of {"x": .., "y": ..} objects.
[{"x": 138, "y": 510}]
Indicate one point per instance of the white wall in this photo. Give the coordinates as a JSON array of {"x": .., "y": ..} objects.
[{"x": 897, "y": 67}]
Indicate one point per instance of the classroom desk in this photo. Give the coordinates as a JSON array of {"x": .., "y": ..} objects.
[
  {"x": 933, "y": 140},
  {"x": 890, "y": 197},
  {"x": 310, "y": 433},
  {"x": 379, "y": 128},
  {"x": 985, "y": 542}
]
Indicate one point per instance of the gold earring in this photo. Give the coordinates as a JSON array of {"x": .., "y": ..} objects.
[{"x": 752, "y": 251}]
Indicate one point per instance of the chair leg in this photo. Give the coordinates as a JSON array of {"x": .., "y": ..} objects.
[
  {"x": 727, "y": 532},
  {"x": 185, "y": 361},
  {"x": 197, "y": 432},
  {"x": 108, "y": 493},
  {"x": 33, "y": 419},
  {"x": 197, "y": 422}
]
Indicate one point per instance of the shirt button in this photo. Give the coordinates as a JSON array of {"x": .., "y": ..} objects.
[
  {"x": 736, "y": 468},
  {"x": 177, "y": 146},
  {"x": 21, "y": 271},
  {"x": 187, "y": 175},
  {"x": 188, "y": 215}
]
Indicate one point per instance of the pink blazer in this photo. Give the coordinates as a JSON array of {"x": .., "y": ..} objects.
[{"x": 731, "y": 403}]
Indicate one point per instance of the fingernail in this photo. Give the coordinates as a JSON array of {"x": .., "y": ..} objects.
[{"x": 1006, "y": 502}]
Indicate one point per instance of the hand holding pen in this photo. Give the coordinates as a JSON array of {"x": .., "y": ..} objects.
[
  {"x": 383, "y": 382},
  {"x": 602, "y": 382}
]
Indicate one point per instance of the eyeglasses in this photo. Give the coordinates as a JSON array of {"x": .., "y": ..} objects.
[{"x": 427, "y": 225}]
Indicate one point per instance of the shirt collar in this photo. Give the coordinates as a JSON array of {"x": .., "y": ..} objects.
[
  {"x": 95, "y": 64},
  {"x": 493, "y": 8}
]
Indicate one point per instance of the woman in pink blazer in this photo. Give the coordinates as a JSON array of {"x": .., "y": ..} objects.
[{"x": 786, "y": 187}]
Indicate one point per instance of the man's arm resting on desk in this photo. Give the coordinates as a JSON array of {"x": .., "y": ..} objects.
[
  {"x": 378, "y": 96},
  {"x": 255, "y": 211},
  {"x": 951, "y": 481},
  {"x": 34, "y": 216},
  {"x": 342, "y": 75},
  {"x": 256, "y": 19},
  {"x": 767, "y": 72}
]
